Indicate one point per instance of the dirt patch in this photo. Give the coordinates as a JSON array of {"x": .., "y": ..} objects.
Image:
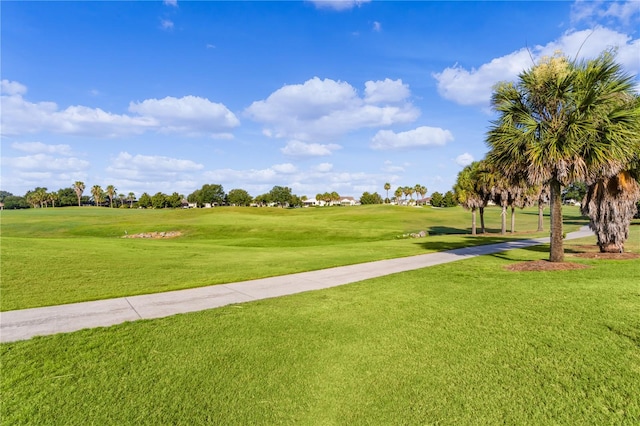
[
  {"x": 155, "y": 235},
  {"x": 544, "y": 265}
]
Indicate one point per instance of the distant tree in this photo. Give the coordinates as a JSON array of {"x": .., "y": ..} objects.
[
  {"x": 131, "y": 197},
  {"x": 15, "y": 202},
  {"x": 37, "y": 197},
  {"x": 66, "y": 197},
  {"x": 145, "y": 200},
  {"x": 111, "y": 193},
  {"x": 78, "y": 188},
  {"x": 449, "y": 200},
  {"x": 281, "y": 195},
  {"x": 398, "y": 193},
  {"x": 194, "y": 197},
  {"x": 436, "y": 199},
  {"x": 239, "y": 197},
  {"x": 574, "y": 191},
  {"x": 52, "y": 197},
  {"x": 335, "y": 197},
  {"x": 159, "y": 200},
  {"x": 212, "y": 194},
  {"x": 263, "y": 199},
  {"x": 468, "y": 193},
  {"x": 387, "y": 187},
  {"x": 174, "y": 200},
  {"x": 367, "y": 198},
  {"x": 121, "y": 197},
  {"x": 97, "y": 194},
  {"x": 4, "y": 194}
]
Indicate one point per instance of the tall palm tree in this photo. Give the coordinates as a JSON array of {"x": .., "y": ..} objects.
[
  {"x": 411, "y": 191},
  {"x": 387, "y": 187},
  {"x": 98, "y": 194},
  {"x": 564, "y": 121},
  {"x": 78, "y": 188},
  {"x": 111, "y": 193},
  {"x": 121, "y": 197}
]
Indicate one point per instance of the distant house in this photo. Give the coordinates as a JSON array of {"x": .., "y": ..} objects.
[
  {"x": 348, "y": 201},
  {"x": 424, "y": 201}
]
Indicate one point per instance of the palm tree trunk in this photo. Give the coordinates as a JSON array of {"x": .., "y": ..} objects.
[
  {"x": 556, "y": 252},
  {"x": 540, "y": 216},
  {"x": 482, "y": 231},
  {"x": 513, "y": 219},
  {"x": 473, "y": 221},
  {"x": 503, "y": 216}
]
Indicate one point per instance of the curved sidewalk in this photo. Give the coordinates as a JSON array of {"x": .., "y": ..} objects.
[{"x": 27, "y": 323}]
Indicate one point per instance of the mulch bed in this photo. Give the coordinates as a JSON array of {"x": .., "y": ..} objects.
[
  {"x": 583, "y": 251},
  {"x": 544, "y": 265}
]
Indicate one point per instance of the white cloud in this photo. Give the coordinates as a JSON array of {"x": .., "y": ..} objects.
[
  {"x": 12, "y": 88},
  {"x": 39, "y": 147},
  {"x": 189, "y": 115},
  {"x": 320, "y": 109},
  {"x": 338, "y": 4},
  {"x": 421, "y": 137},
  {"x": 473, "y": 87},
  {"x": 173, "y": 3},
  {"x": 387, "y": 91},
  {"x": 44, "y": 162},
  {"x": 301, "y": 149},
  {"x": 377, "y": 26},
  {"x": 286, "y": 168},
  {"x": 389, "y": 167},
  {"x": 166, "y": 24},
  {"x": 323, "y": 167},
  {"x": 594, "y": 11},
  {"x": 464, "y": 159},
  {"x": 154, "y": 163}
]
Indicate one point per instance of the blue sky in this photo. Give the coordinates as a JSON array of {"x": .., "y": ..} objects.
[{"x": 318, "y": 96}]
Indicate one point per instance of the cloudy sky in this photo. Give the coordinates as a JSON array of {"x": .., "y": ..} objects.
[{"x": 318, "y": 96}]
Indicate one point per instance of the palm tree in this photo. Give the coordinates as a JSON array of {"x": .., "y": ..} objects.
[
  {"x": 98, "y": 194},
  {"x": 131, "y": 197},
  {"x": 53, "y": 197},
  {"x": 610, "y": 204},
  {"x": 422, "y": 190},
  {"x": 111, "y": 193},
  {"x": 467, "y": 192},
  {"x": 387, "y": 187},
  {"x": 78, "y": 187},
  {"x": 562, "y": 122},
  {"x": 398, "y": 193},
  {"x": 121, "y": 197}
]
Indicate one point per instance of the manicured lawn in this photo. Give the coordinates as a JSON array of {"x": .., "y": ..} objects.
[
  {"x": 461, "y": 343},
  {"x": 64, "y": 255}
]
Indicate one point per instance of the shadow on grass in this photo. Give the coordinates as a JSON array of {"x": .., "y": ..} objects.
[{"x": 462, "y": 241}]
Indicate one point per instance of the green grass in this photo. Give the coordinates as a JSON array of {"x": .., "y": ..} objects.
[
  {"x": 55, "y": 256},
  {"x": 461, "y": 343}
]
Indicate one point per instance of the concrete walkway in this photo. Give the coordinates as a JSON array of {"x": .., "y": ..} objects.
[{"x": 27, "y": 323}]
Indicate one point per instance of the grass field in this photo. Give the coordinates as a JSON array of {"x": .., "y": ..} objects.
[
  {"x": 461, "y": 343},
  {"x": 64, "y": 255}
]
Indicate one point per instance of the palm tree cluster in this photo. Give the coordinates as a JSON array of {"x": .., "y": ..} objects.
[
  {"x": 407, "y": 191},
  {"x": 563, "y": 122}
]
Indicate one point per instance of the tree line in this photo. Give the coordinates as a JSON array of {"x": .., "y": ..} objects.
[{"x": 563, "y": 126}]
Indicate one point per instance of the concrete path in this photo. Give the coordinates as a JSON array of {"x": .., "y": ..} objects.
[{"x": 27, "y": 323}]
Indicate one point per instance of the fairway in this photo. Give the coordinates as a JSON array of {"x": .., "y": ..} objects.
[
  {"x": 463, "y": 343},
  {"x": 64, "y": 255}
]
